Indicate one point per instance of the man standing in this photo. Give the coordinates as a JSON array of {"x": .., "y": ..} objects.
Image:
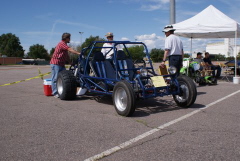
[
  {"x": 58, "y": 60},
  {"x": 173, "y": 49},
  {"x": 208, "y": 63}
]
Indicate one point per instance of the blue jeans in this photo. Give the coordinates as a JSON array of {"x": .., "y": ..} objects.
[
  {"x": 218, "y": 68},
  {"x": 55, "y": 70}
]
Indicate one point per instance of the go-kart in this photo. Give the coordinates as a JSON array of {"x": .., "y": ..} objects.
[
  {"x": 121, "y": 79},
  {"x": 191, "y": 68}
]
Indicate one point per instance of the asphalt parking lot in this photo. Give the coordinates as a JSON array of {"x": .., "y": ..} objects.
[{"x": 36, "y": 127}]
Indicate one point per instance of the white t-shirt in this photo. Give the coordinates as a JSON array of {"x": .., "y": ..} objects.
[
  {"x": 106, "y": 50},
  {"x": 174, "y": 45}
]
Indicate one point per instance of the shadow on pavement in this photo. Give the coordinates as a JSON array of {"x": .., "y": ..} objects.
[
  {"x": 145, "y": 107},
  {"x": 200, "y": 93},
  {"x": 153, "y": 106}
]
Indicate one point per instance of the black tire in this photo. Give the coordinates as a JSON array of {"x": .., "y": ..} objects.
[
  {"x": 66, "y": 85},
  {"x": 198, "y": 76},
  {"x": 188, "y": 93},
  {"x": 124, "y": 98}
]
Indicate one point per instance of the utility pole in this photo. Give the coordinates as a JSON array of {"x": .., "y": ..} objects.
[{"x": 172, "y": 12}]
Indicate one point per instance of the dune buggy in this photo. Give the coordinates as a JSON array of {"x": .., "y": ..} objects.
[{"x": 122, "y": 79}]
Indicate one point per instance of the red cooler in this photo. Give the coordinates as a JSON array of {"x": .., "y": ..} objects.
[{"x": 47, "y": 85}]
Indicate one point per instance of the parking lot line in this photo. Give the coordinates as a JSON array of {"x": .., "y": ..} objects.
[{"x": 148, "y": 133}]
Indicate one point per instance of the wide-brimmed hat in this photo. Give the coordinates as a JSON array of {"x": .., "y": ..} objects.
[
  {"x": 168, "y": 28},
  {"x": 109, "y": 34}
]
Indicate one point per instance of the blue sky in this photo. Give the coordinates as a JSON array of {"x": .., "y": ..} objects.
[{"x": 43, "y": 22}]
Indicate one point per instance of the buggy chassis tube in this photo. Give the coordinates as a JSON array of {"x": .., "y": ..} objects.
[{"x": 88, "y": 86}]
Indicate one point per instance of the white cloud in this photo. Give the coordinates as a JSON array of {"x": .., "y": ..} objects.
[
  {"x": 75, "y": 43},
  {"x": 152, "y": 5},
  {"x": 152, "y": 40},
  {"x": 146, "y": 37},
  {"x": 124, "y": 39}
]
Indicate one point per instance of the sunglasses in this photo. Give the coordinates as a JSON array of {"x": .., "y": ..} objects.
[{"x": 110, "y": 37}]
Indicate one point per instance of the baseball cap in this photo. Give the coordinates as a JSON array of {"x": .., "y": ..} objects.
[{"x": 109, "y": 34}]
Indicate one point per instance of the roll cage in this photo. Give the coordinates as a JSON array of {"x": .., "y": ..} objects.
[{"x": 104, "y": 84}]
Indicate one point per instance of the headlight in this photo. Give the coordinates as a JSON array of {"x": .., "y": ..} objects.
[
  {"x": 172, "y": 70},
  {"x": 143, "y": 72}
]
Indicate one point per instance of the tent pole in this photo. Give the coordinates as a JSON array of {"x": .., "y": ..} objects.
[
  {"x": 191, "y": 46},
  {"x": 190, "y": 53},
  {"x": 236, "y": 53}
]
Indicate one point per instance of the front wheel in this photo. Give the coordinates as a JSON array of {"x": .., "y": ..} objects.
[
  {"x": 66, "y": 85},
  {"x": 188, "y": 92},
  {"x": 123, "y": 98}
]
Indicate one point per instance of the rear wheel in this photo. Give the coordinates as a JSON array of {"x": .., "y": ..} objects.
[
  {"x": 188, "y": 92},
  {"x": 66, "y": 85},
  {"x": 123, "y": 98}
]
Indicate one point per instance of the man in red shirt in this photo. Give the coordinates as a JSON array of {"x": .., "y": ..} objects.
[{"x": 58, "y": 60}]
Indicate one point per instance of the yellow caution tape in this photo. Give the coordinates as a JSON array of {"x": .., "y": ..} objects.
[
  {"x": 39, "y": 76},
  {"x": 40, "y": 73}
]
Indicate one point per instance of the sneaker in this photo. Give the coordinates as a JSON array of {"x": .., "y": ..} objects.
[{"x": 56, "y": 96}]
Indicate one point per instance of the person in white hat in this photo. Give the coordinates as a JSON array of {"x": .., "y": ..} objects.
[
  {"x": 173, "y": 49},
  {"x": 108, "y": 52}
]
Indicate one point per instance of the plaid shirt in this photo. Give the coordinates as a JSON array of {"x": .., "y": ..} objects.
[{"x": 60, "y": 55}]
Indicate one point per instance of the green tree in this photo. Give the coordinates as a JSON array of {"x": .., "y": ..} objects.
[
  {"x": 38, "y": 51},
  {"x": 230, "y": 58},
  {"x": 157, "y": 55},
  {"x": 10, "y": 45},
  {"x": 220, "y": 57},
  {"x": 186, "y": 55},
  {"x": 137, "y": 52},
  {"x": 89, "y": 40},
  {"x": 51, "y": 52}
]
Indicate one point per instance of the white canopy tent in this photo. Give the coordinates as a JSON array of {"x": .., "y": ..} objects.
[{"x": 209, "y": 23}]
